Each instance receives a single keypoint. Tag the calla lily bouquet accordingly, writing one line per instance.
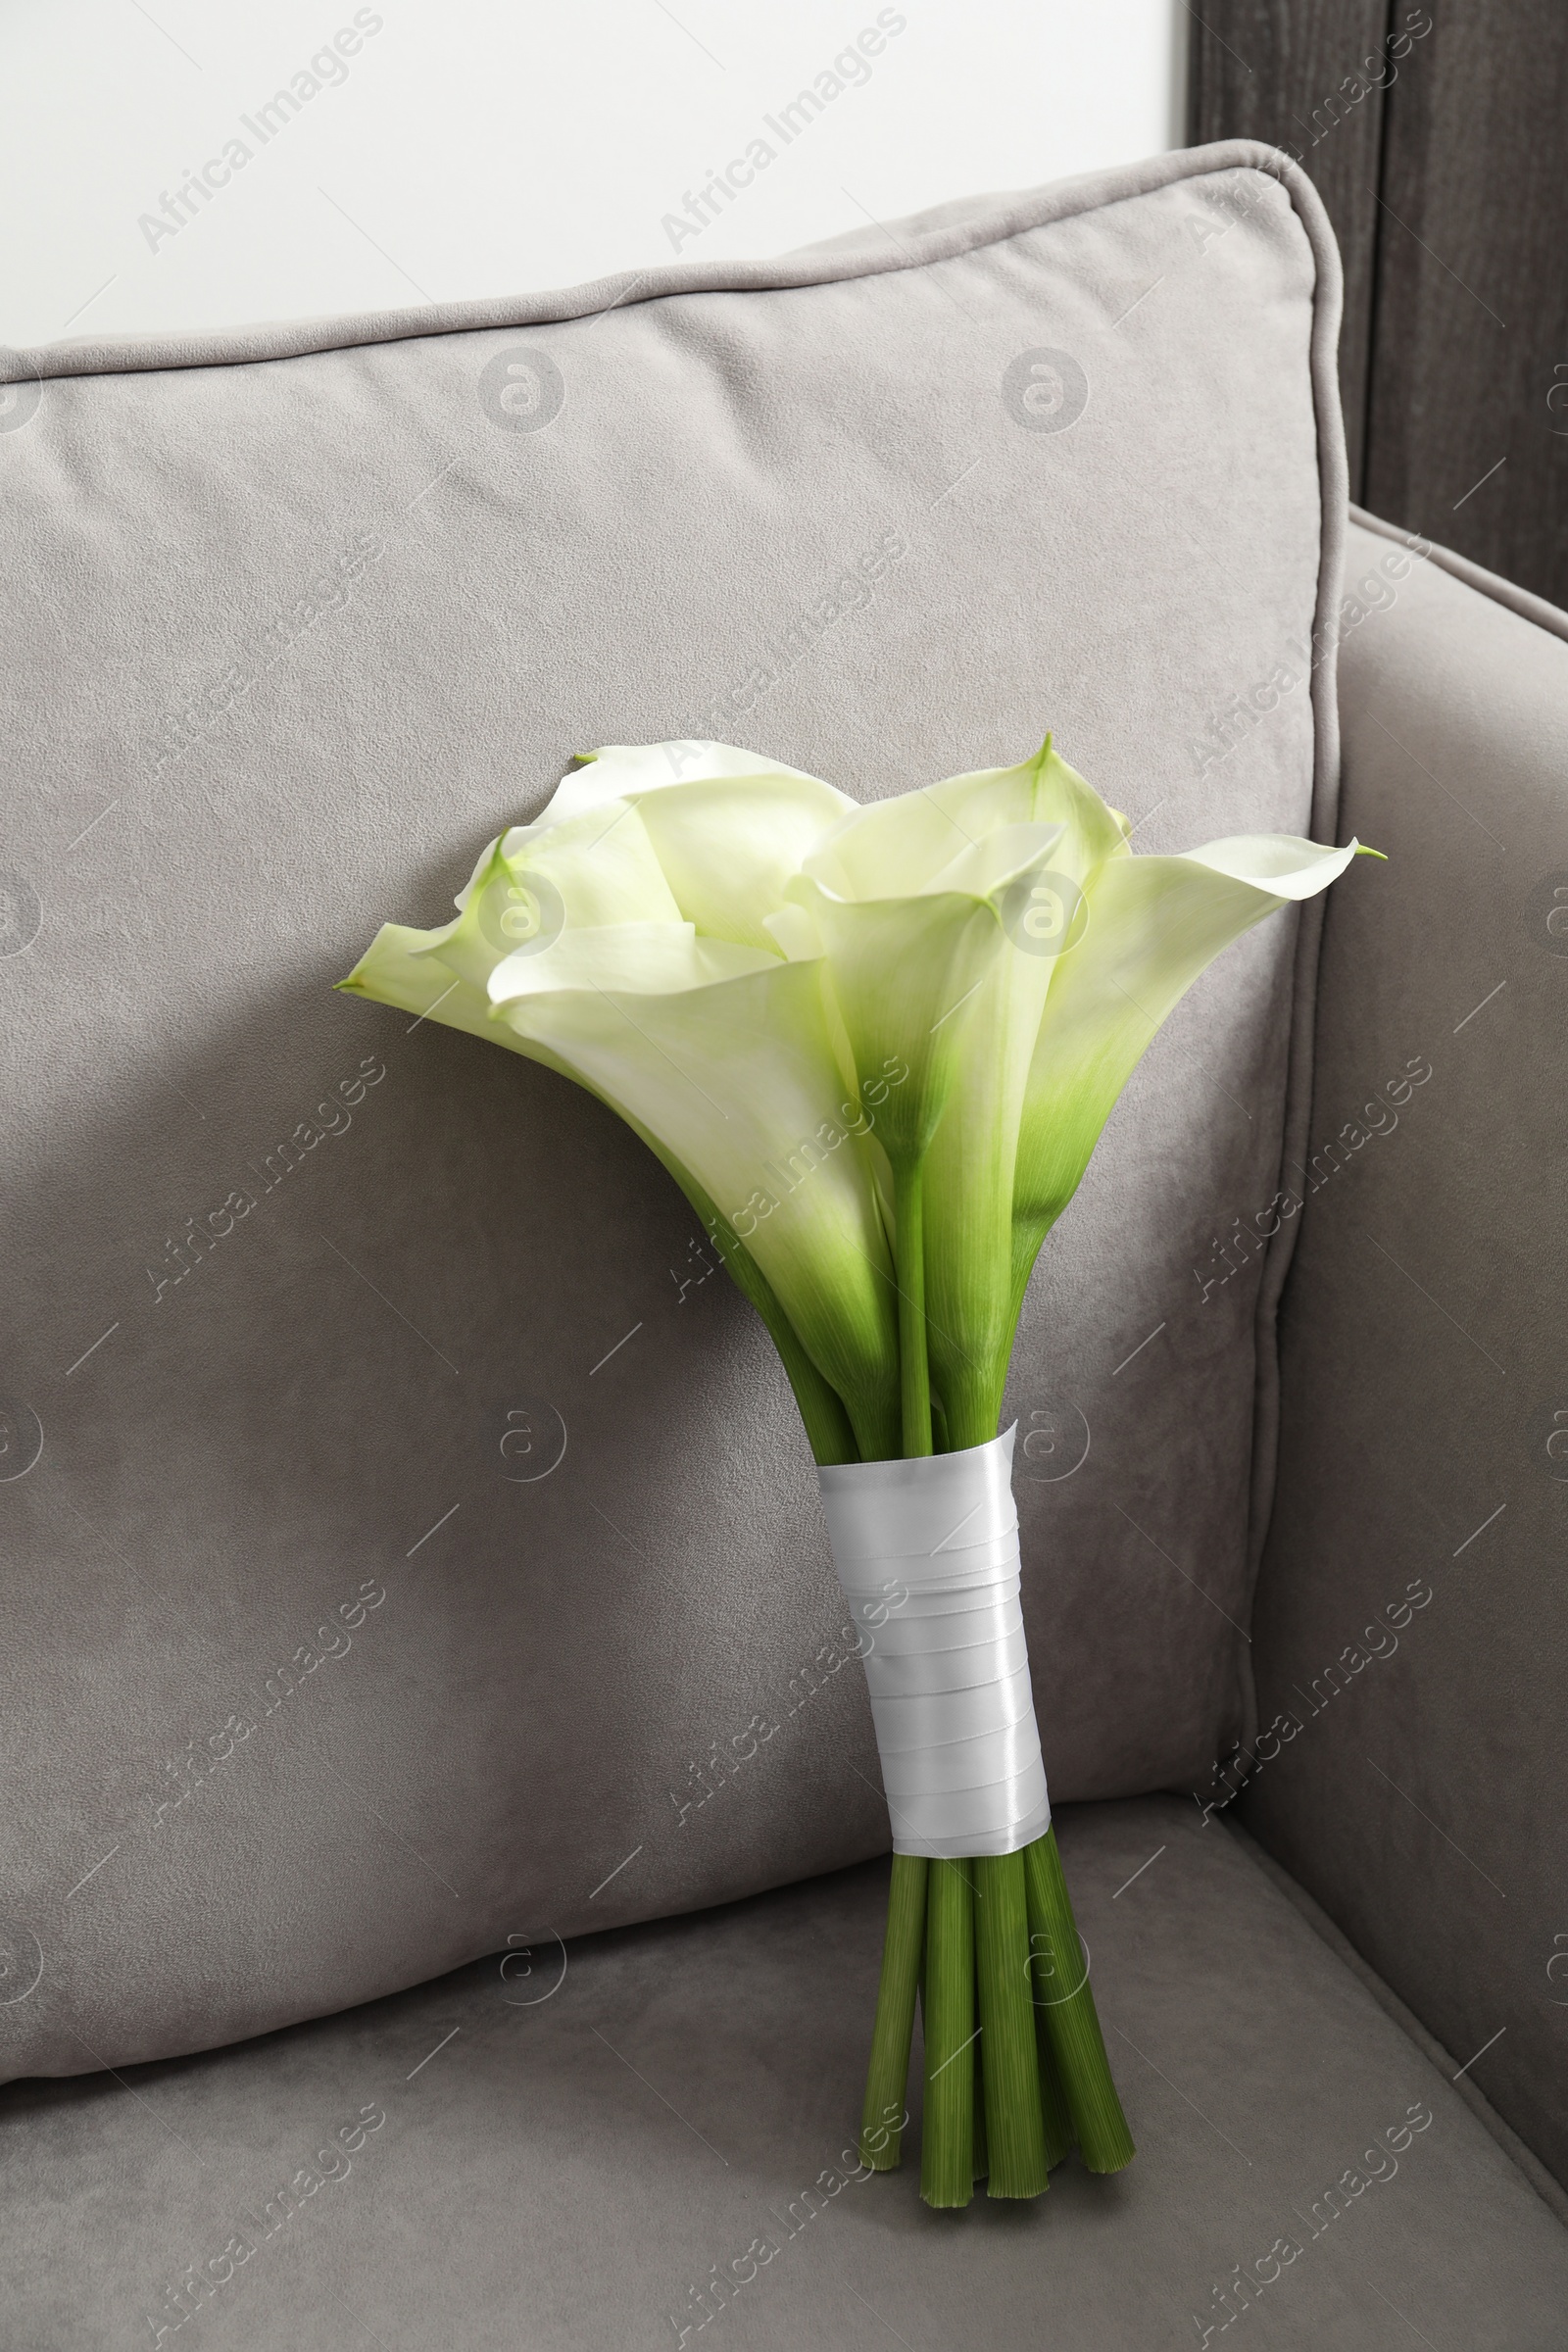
(876, 1046)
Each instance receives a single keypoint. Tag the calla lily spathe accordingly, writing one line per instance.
(576, 945)
(1158, 923)
(875, 1044)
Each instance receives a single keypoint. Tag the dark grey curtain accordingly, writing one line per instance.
(1438, 137)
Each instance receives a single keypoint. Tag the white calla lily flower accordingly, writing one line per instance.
(722, 1052)
(904, 967)
(875, 1044)
(625, 771)
(727, 827)
(970, 1172)
(910, 908)
(1157, 923)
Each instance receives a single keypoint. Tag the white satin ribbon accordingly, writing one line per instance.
(927, 1553)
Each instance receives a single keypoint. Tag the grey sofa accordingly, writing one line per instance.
(1297, 1653)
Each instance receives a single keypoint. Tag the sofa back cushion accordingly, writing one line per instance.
(412, 1544)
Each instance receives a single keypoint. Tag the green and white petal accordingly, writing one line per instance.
(597, 869)
(1283, 863)
(1156, 923)
(969, 1197)
(398, 969)
(402, 968)
(602, 867)
(822, 1412)
(727, 827)
(973, 1155)
(626, 771)
(649, 960)
(898, 847)
(730, 847)
(1041, 791)
(722, 1053)
(906, 968)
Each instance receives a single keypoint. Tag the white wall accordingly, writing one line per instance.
(470, 147)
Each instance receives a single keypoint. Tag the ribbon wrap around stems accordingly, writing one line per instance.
(927, 1553)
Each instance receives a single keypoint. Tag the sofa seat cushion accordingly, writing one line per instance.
(559, 2148)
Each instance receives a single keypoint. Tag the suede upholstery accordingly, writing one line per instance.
(311, 1697)
(1411, 1638)
(572, 2142)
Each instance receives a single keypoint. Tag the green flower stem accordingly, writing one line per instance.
(908, 1211)
(828, 1431)
(888, 2076)
(946, 2145)
(981, 2160)
(1009, 2059)
(1069, 2018)
(1055, 2111)
(973, 1407)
